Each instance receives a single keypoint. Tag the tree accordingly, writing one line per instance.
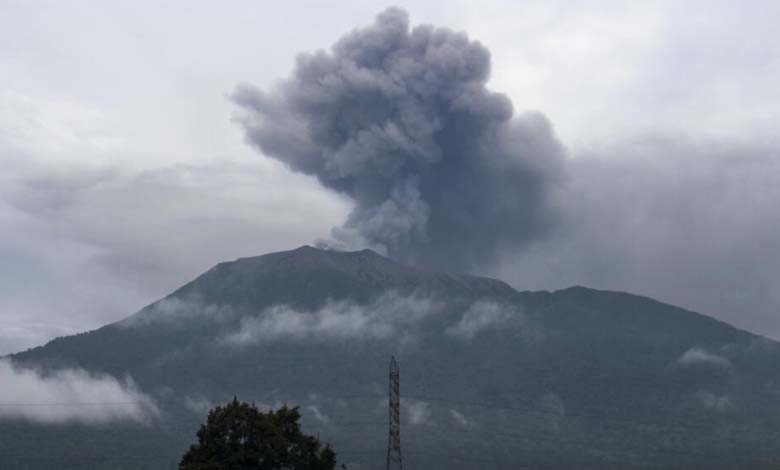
(240, 437)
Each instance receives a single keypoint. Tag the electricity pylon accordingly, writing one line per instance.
(394, 461)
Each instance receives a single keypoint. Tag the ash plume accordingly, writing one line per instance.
(400, 120)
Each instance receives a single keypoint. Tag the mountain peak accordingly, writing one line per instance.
(308, 276)
(315, 254)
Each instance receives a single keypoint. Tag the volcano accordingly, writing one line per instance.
(490, 376)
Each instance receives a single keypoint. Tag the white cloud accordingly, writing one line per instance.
(176, 309)
(390, 315)
(483, 315)
(198, 404)
(418, 412)
(318, 415)
(640, 65)
(70, 395)
(699, 356)
(58, 129)
(720, 403)
(552, 411)
(460, 418)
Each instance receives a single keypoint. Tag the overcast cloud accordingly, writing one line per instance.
(691, 222)
(70, 395)
(124, 176)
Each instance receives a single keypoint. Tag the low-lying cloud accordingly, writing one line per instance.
(179, 310)
(198, 403)
(712, 401)
(484, 315)
(418, 412)
(70, 395)
(699, 356)
(318, 414)
(552, 411)
(460, 418)
(389, 315)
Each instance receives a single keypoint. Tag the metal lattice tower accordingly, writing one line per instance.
(394, 461)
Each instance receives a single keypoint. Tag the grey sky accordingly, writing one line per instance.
(124, 176)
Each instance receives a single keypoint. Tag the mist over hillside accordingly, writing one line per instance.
(489, 375)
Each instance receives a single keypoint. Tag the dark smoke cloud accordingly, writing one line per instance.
(401, 121)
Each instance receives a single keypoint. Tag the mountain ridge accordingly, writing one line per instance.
(579, 291)
(606, 378)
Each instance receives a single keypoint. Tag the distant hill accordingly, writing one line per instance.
(490, 376)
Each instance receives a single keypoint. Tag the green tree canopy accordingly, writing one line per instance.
(238, 436)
